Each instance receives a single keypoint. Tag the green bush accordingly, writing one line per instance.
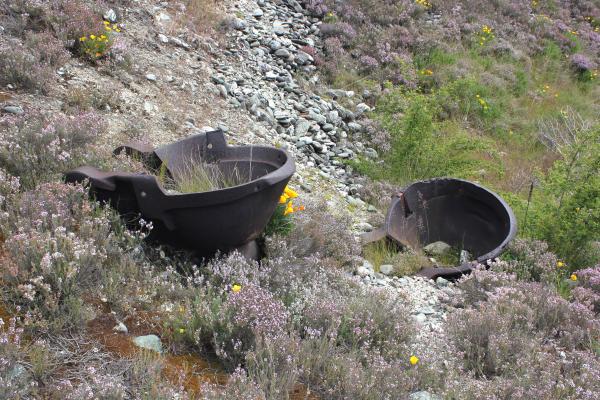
(565, 209)
(422, 147)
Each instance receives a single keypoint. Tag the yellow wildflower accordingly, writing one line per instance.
(283, 198)
(573, 277)
(93, 37)
(560, 264)
(289, 208)
(236, 288)
(290, 193)
(181, 330)
(83, 39)
(108, 28)
(106, 22)
(414, 360)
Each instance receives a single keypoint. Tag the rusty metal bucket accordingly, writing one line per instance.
(458, 212)
(206, 222)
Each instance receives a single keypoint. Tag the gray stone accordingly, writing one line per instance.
(257, 13)
(426, 310)
(150, 342)
(163, 38)
(274, 45)
(423, 395)
(302, 127)
(120, 327)
(371, 153)
(367, 264)
(110, 16)
(441, 282)
(303, 58)
(151, 77)
(282, 53)
(278, 28)
(148, 107)
(13, 109)
(438, 248)
(465, 256)
(386, 269)
(239, 24)
(318, 118)
(420, 318)
(18, 373)
(364, 226)
(355, 126)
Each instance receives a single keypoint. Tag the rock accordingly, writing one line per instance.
(148, 107)
(441, 282)
(465, 256)
(17, 373)
(278, 28)
(274, 45)
(303, 58)
(364, 227)
(120, 327)
(386, 269)
(423, 395)
(163, 17)
(239, 24)
(362, 108)
(257, 13)
(13, 109)
(150, 342)
(151, 77)
(355, 126)
(420, 318)
(302, 127)
(110, 16)
(163, 38)
(318, 118)
(282, 53)
(371, 153)
(438, 248)
(427, 310)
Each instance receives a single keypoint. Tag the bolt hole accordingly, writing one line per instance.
(143, 194)
(209, 146)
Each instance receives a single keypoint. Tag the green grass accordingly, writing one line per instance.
(405, 261)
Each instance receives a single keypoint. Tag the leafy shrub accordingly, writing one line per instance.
(38, 147)
(420, 147)
(565, 211)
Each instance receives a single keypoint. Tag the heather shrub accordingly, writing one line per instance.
(38, 147)
(531, 260)
(273, 365)
(238, 387)
(364, 323)
(587, 291)
(247, 314)
(27, 69)
(515, 321)
(58, 245)
(13, 376)
(318, 230)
